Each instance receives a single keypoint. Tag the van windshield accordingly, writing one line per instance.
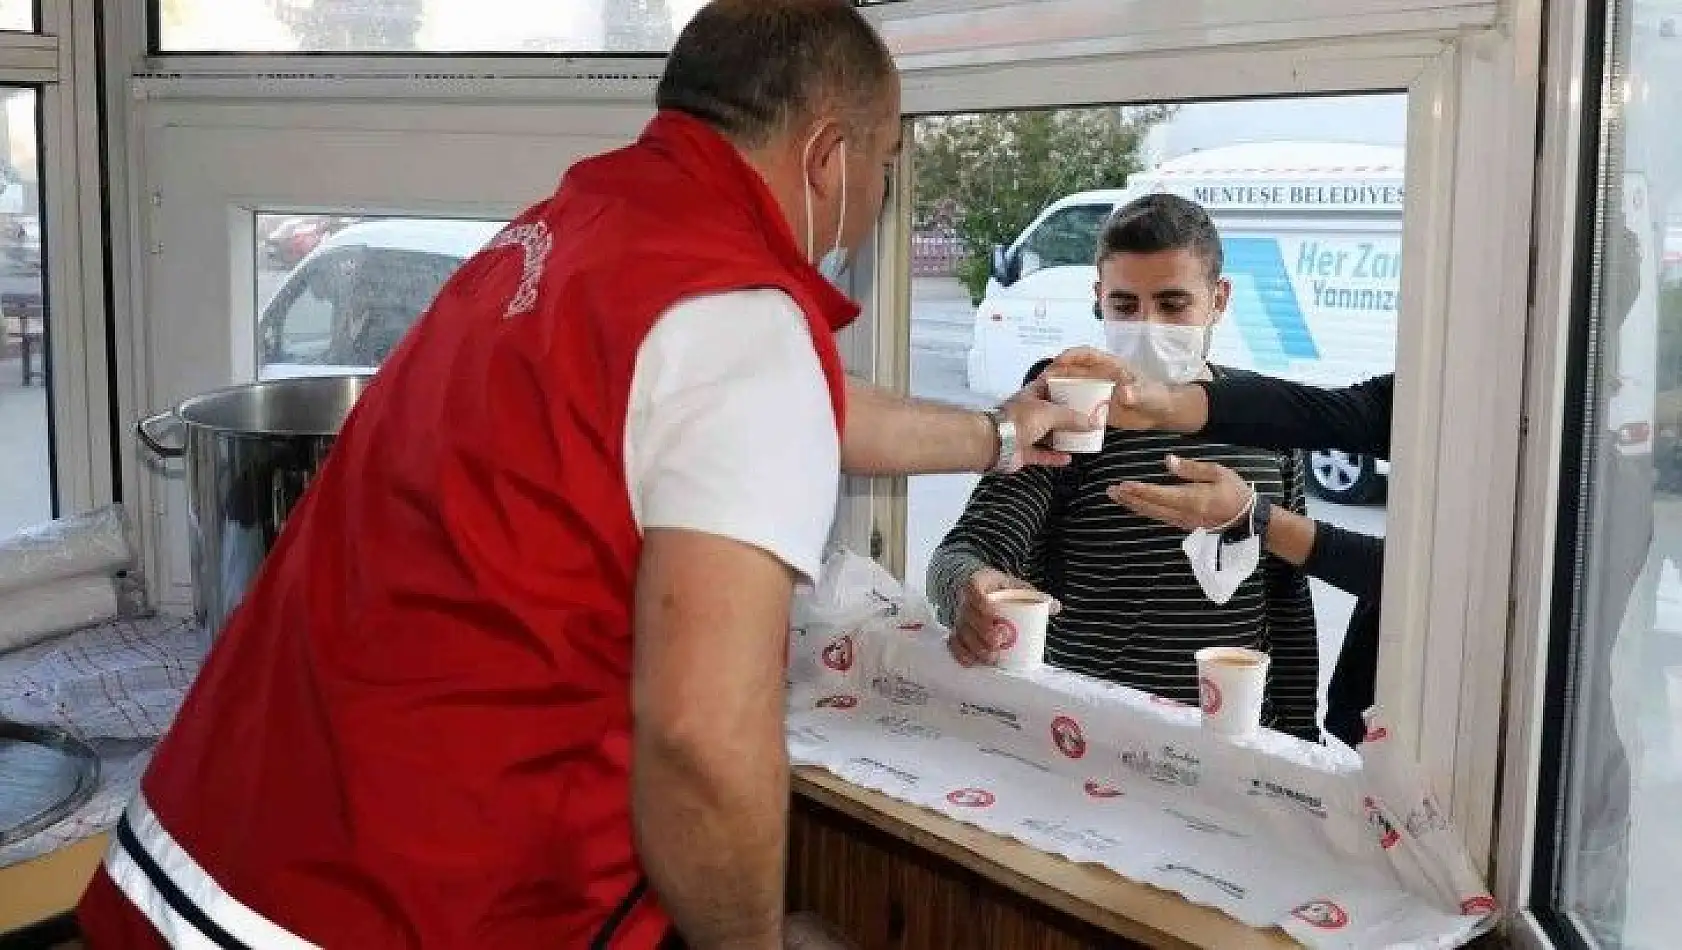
(1068, 237)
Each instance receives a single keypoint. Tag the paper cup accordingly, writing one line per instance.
(1230, 684)
(1090, 398)
(1022, 618)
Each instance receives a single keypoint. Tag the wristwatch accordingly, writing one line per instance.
(1009, 457)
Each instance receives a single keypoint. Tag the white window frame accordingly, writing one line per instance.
(1470, 71)
(1559, 201)
(61, 63)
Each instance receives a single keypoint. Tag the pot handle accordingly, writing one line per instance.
(144, 428)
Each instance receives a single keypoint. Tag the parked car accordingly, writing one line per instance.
(351, 300)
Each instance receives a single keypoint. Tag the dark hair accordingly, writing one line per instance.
(1162, 222)
(751, 68)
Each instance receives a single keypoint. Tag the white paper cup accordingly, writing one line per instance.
(1022, 619)
(1230, 684)
(1090, 398)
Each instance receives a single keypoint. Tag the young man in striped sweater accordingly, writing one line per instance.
(1132, 610)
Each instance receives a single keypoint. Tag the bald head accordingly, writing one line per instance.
(757, 69)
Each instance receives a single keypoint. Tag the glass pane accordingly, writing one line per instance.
(1622, 835)
(1311, 234)
(26, 483)
(336, 293)
(18, 15)
(421, 26)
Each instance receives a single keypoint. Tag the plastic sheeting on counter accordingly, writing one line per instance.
(1272, 830)
(65, 575)
(95, 543)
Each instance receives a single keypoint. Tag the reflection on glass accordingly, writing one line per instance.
(1622, 834)
(26, 494)
(337, 293)
(17, 15)
(421, 26)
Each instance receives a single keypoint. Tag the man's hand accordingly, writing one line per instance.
(975, 633)
(1036, 417)
(1213, 496)
(1138, 404)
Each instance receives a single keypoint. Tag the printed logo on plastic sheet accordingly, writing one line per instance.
(1208, 695)
(838, 701)
(838, 656)
(1006, 631)
(1066, 735)
(971, 798)
(1388, 836)
(1322, 914)
(1097, 789)
(1003, 717)
(1233, 889)
(912, 627)
(1165, 701)
(1099, 415)
(1480, 906)
(1376, 734)
(901, 691)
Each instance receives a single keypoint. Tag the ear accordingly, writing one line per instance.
(822, 155)
(1223, 296)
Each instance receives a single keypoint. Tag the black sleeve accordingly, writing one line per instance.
(1292, 632)
(1347, 560)
(1250, 409)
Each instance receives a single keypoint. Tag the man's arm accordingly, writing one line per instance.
(890, 434)
(1211, 495)
(731, 467)
(993, 546)
(1247, 409)
(1276, 413)
(709, 772)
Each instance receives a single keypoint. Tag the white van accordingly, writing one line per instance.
(1312, 233)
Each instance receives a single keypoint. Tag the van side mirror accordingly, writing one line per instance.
(1004, 265)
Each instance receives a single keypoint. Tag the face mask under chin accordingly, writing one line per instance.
(1166, 353)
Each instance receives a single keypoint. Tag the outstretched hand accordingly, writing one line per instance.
(1209, 496)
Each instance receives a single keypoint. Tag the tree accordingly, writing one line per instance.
(636, 26)
(987, 175)
(352, 26)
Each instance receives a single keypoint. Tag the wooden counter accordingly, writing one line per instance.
(49, 885)
(893, 876)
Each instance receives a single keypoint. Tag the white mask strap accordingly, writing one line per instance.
(841, 216)
(806, 183)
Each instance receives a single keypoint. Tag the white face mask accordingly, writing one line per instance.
(835, 261)
(1220, 566)
(1164, 352)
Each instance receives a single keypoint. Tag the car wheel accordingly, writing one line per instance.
(1344, 477)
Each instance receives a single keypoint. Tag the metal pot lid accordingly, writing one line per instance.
(45, 776)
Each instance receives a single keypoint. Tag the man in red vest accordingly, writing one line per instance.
(513, 675)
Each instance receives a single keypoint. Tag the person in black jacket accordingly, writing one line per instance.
(1268, 413)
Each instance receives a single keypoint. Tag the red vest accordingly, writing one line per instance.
(416, 731)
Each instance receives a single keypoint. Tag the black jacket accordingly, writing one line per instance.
(1276, 414)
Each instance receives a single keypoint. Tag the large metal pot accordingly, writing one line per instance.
(250, 451)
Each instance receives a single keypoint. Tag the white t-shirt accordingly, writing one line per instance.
(730, 429)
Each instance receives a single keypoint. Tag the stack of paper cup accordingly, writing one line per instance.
(1022, 617)
(1230, 684)
(1090, 398)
